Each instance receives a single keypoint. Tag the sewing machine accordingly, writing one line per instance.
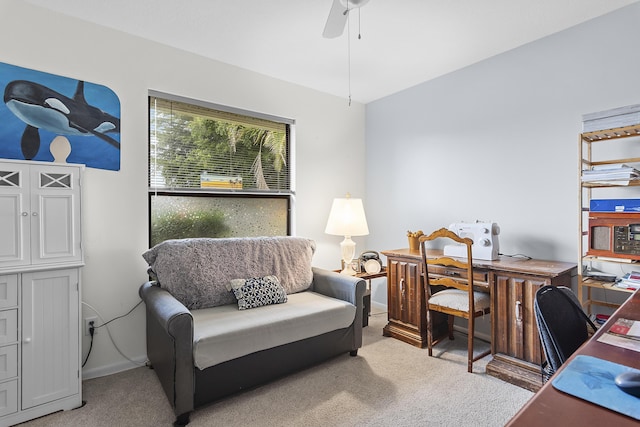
(484, 236)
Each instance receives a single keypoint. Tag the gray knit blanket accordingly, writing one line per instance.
(197, 271)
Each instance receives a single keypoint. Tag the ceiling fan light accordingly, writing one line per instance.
(353, 3)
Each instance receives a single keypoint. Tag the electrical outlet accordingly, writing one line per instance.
(87, 325)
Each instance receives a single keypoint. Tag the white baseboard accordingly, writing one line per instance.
(483, 337)
(102, 371)
(378, 306)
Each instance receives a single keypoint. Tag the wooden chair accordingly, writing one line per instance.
(451, 291)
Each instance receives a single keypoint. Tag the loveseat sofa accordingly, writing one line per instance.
(226, 315)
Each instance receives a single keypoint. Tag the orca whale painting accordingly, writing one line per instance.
(39, 108)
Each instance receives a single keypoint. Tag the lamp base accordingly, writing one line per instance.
(348, 249)
(348, 270)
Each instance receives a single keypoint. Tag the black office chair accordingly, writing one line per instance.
(562, 325)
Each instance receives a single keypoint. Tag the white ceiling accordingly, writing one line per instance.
(404, 42)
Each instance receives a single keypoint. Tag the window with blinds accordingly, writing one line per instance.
(194, 147)
(217, 172)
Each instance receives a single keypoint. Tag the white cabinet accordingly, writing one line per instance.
(40, 215)
(40, 260)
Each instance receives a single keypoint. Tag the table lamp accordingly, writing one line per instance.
(347, 219)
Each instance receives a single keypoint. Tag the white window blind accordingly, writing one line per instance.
(196, 148)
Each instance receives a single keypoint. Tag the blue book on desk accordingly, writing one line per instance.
(593, 380)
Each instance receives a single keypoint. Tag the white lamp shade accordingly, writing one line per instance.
(347, 218)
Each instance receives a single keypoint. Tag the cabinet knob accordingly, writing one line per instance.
(27, 340)
(518, 311)
(25, 213)
(34, 213)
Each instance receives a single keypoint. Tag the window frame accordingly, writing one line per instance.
(288, 195)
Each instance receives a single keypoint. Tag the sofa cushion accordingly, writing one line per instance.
(225, 333)
(257, 291)
(196, 271)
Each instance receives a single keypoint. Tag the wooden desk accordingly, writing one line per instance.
(550, 406)
(512, 282)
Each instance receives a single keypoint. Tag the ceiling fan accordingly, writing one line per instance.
(338, 16)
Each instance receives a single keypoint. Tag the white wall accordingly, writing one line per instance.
(329, 151)
(498, 140)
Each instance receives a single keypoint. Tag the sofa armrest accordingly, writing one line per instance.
(340, 286)
(346, 288)
(170, 345)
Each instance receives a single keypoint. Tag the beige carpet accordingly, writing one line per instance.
(389, 383)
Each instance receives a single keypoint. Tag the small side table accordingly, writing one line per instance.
(366, 311)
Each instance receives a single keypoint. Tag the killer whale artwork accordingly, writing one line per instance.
(36, 110)
(42, 108)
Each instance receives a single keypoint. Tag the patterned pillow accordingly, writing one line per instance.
(257, 291)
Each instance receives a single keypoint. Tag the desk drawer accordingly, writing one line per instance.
(480, 277)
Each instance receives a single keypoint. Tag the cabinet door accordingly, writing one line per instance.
(14, 215)
(405, 305)
(50, 336)
(405, 292)
(55, 214)
(514, 329)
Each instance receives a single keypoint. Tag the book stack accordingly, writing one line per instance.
(599, 319)
(629, 281)
(623, 333)
(626, 328)
(609, 119)
(611, 174)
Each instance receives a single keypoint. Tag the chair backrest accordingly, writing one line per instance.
(562, 324)
(462, 282)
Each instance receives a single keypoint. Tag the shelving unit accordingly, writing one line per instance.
(623, 147)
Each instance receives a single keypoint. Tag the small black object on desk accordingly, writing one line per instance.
(629, 382)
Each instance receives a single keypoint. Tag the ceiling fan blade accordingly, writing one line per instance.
(336, 21)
